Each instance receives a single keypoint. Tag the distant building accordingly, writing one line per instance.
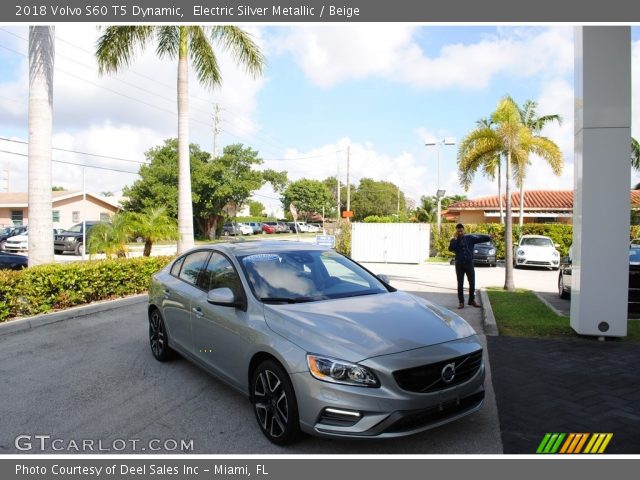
(540, 206)
(68, 208)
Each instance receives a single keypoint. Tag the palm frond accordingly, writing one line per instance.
(119, 44)
(168, 38)
(635, 154)
(203, 57)
(240, 44)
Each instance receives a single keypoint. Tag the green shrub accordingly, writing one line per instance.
(343, 238)
(46, 288)
(378, 219)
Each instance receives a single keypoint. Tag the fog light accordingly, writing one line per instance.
(339, 417)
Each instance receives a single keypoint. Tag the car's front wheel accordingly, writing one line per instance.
(79, 251)
(274, 403)
(158, 337)
(562, 292)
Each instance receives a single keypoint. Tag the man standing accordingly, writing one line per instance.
(462, 246)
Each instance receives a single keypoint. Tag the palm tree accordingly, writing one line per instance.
(530, 118)
(509, 137)
(153, 225)
(111, 237)
(118, 45)
(635, 154)
(41, 59)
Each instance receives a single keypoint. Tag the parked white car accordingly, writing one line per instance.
(17, 243)
(245, 229)
(536, 251)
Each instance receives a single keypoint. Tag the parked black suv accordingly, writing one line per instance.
(71, 240)
(8, 232)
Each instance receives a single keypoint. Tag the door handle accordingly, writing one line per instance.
(197, 311)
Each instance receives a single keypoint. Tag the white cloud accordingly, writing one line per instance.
(332, 54)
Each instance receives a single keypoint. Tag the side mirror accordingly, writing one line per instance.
(385, 279)
(222, 296)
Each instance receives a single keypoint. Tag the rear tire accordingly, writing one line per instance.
(158, 338)
(274, 403)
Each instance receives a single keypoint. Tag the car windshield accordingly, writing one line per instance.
(537, 242)
(485, 244)
(76, 228)
(5, 231)
(634, 255)
(306, 276)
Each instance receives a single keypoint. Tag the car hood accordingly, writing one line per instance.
(361, 327)
(18, 238)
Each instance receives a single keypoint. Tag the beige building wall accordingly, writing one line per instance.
(66, 212)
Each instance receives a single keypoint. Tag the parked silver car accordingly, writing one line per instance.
(319, 344)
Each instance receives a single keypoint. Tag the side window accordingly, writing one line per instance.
(192, 265)
(175, 269)
(219, 274)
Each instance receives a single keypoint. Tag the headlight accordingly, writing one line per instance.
(520, 253)
(492, 251)
(556, 254)
(338, 371)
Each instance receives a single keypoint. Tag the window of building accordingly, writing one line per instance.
(75, 217)
(56, 216)
(104, 217)
(16, 217)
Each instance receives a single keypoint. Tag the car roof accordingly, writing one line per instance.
(241, 248)
(535, 236)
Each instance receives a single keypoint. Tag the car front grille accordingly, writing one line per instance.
(534, 262)
(429, 378)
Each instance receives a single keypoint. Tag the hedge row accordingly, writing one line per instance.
(52, 287)
(559, 233)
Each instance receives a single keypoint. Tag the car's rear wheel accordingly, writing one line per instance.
(562, 292)
(274, 403)
(158, 338)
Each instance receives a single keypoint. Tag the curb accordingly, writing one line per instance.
(488, 319)
(548, 304)
(23, 324)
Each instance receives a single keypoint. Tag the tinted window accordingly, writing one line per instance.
(192, 265)
(175, 270)
(219, 273)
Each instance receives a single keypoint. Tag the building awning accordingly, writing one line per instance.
(531, 214)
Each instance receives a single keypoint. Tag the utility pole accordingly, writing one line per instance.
(348, 182)
(216, 129)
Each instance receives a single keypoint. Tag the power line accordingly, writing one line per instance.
(80, 153)
(72, 163)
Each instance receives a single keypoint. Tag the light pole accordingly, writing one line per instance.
(439, 193)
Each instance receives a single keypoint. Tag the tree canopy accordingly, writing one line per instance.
(376, 198)
(229, 179)
(308, 196)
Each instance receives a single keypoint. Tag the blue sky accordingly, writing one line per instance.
(382, 89)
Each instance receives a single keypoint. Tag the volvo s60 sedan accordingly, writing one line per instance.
(317, 343)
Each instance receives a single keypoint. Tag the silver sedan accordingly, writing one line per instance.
(319, 344)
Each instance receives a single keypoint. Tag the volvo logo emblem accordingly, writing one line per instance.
(448, 372)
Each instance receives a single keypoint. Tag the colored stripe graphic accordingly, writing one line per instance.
(574, 443)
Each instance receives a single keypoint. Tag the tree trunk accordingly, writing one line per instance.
(508, 229)
(185, 206)
(521, 203)
(147, 248)
(500, 191)
(41, 59)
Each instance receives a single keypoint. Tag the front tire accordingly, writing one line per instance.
(274, 403)
(158, 338)
(79, 249)
(562, 293)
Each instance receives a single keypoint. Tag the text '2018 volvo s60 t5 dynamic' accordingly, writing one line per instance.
(319, 344)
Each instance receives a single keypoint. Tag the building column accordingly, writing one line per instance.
(600, 270)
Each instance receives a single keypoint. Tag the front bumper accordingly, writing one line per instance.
(528, 262)
(484, 259)
(388, 411)
(16, 247)
(65, 246)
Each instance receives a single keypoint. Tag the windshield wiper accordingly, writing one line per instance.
(291, 299)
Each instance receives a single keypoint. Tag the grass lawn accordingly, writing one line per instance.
(438, 260)
(522, 314)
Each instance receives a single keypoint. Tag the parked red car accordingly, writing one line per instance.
(268, 228)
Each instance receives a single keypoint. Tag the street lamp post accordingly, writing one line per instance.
(440, 192)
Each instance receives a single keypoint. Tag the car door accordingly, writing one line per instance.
(179, 290)
(222, 333)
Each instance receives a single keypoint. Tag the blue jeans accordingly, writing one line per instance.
(463, 269)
